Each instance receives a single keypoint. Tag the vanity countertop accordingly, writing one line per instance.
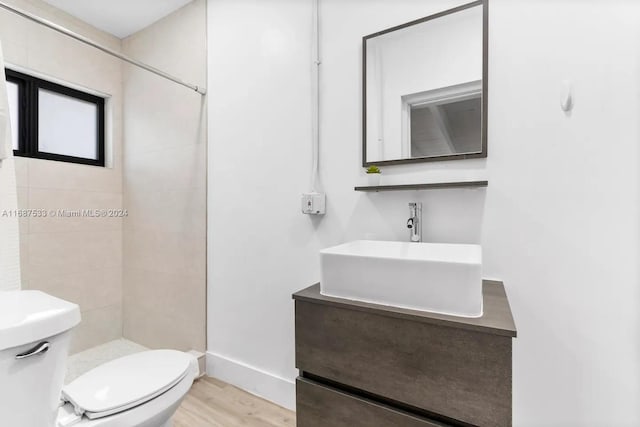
(496, 319)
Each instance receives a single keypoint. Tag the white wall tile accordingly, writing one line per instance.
(69, 202)
(164, 185)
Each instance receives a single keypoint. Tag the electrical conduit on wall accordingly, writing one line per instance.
(9, 231)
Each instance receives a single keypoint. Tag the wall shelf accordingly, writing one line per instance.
(431, 186)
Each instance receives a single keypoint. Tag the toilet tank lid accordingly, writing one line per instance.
(128, 382)
(29, 316)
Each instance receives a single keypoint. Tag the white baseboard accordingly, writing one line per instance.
(263, 384)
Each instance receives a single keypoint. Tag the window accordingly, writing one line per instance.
(54, 122)
(443, 122)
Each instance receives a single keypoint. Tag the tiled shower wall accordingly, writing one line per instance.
(9, 225)
(165, 185)
(76, 259)
(158, 252)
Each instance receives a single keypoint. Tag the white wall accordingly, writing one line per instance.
(558, 223)
(562, 211)
(260, 247)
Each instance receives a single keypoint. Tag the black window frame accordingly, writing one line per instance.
(28, 92)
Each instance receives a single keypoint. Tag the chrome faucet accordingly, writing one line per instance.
(414, 223)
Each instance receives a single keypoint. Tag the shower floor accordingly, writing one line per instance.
(86, 360)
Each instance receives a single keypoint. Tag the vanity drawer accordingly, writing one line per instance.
(460, 374)
(319, 405)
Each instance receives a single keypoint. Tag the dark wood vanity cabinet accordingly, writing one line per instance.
(319, 405)
(370, 365)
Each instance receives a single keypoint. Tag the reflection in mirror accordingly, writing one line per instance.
(442, 122)
(424, 89)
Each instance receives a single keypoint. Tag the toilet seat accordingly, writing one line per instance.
(125, 383)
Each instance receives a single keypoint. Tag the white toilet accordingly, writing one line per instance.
(140, 390)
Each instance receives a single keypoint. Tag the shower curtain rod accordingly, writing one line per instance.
(201, 90)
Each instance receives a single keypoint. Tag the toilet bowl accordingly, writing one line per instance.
(139, 390)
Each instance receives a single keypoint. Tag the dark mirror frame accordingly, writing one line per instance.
(485, 87)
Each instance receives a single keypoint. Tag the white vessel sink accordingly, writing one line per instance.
(435, 277)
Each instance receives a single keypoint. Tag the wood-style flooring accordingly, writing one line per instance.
(213, 403)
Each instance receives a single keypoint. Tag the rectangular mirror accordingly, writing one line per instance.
(425, 87)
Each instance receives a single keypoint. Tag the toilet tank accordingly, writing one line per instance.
(35, 331)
